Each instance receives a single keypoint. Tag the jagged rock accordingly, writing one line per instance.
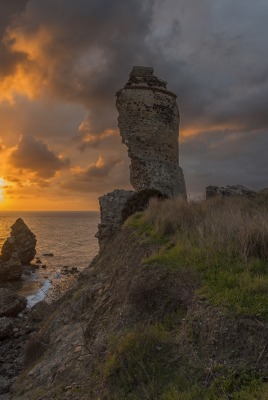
(23, 240)
(6, 326)
(11, 303)
(149, 125)
(11, 270)
(229, 191)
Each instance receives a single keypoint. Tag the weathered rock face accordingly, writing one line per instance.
(6, 325)
(11, 304)
(22, 240)
(149, 124)
(229, 191)
(11, 270)
(111, 206)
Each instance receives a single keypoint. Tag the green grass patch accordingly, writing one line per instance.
(145, 232)
(145, 363)
(241, 287)
(227, 280)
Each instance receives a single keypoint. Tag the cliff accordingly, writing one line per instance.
(144, 323)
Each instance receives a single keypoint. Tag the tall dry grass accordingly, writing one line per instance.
(233, 226)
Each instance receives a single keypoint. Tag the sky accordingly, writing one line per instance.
(62, 61)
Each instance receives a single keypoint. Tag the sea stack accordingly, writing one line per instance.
(22, 240)
(149, 125)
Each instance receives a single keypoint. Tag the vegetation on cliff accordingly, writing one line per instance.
(173, 308)
(224, 240)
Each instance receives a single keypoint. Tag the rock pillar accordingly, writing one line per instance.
(149, 125)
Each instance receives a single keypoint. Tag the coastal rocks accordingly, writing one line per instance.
(11, 304)
(25, 241)
(229, 191)
(16, 332)
(11, 269)
(6, 327)
(17, 250)
(149, 125)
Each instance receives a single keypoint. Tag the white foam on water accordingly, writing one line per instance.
(39, 295)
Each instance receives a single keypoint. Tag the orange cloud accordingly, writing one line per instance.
(30, 74)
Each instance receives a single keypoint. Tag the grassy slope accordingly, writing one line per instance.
(226, 243)
(173, 308)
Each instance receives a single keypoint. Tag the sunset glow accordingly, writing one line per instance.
(61, 64)
(2, 184)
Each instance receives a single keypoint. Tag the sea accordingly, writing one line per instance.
(68, 235)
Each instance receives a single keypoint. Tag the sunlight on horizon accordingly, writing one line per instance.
(2, 183)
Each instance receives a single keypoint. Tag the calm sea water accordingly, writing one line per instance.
(68, 235)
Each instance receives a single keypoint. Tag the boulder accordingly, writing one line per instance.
(229, 191)
(6, 327)
(11, 303)
(11, 270)
(22, 240)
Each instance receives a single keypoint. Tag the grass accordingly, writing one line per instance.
(226, 241)
(145, 363)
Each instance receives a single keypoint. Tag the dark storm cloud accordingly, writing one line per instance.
(225, 158)
(94, 43)
(212, 53)
(212, 56)
(34, 156)
(9, 10)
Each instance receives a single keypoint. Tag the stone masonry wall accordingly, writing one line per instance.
(149, 124)
(111, 206)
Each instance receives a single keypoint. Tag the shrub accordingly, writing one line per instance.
(140, 201)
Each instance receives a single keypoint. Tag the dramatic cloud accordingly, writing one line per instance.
(34, 155)
(225, 157)
(62, 62)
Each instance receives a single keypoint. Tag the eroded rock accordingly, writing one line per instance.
(149, 125)
(22, 240)
(11, 269)
(11, 303)
(6, 326)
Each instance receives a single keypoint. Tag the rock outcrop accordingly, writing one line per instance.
(229, 191)
(11, 303)
(149, 126)
(10, 269)
(111, 207)
(6, 326)
(22, 240)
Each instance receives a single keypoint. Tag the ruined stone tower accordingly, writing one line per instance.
(149, 124)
